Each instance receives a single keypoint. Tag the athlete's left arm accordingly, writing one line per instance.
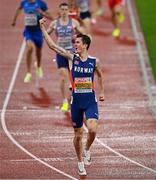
(45, 14)
(77, 27)
(44, 11)
(100, 80)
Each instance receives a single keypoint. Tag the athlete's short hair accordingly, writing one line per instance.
(85, 39)
(63, 4)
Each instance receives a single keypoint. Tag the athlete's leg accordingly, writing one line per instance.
(77, 121)
(86, 21)
(113, 15)
(92, 125)
(38, 41)
(119, 13)
(92, 128)
(87, 25)
(38, 56)
(39, 71)
(29, 50)
(64, 88)
(116, 8)
(78, 143)
(63, 82)
(63, 66)
(79, 149)
(96, 9)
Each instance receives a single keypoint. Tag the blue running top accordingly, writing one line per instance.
(32, 16)
(82, 79)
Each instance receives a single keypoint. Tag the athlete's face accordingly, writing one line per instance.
(79, 46)
(64, 11)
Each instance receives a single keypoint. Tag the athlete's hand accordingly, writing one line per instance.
(42, 21)
(101, 97)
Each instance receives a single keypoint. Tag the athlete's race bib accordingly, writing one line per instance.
(65, 42)
(83, 85)
(30, 20)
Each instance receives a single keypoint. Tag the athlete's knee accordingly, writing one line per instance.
(77, 138)
(92, 129)
(92, 126)
(63, 79)
(29, 48)
(38, 50)
(63, 75)
(78, 135)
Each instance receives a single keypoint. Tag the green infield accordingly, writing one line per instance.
(147, 14)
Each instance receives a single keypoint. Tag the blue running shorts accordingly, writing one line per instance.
(62, 62)
(35, 36)
(77, 113)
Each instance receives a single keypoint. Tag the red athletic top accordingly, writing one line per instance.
(113, 3)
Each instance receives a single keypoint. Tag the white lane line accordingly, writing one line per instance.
(45, 159)
(152, 104)
(6, 101)
(120, 155)
(141, 59)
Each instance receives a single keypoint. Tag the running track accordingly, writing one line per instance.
(36, 138)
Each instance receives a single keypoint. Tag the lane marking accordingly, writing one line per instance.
(121, 155)
(152, 104)
(58, 159)
(4, 109)
(141, 59)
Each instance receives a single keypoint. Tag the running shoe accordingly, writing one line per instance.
(87, 157)
(81, 169)
(28, 78)
(121, 18)
(116, 32)
(39, 72)
(64, 107)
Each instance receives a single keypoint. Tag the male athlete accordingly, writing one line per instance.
(34, 10)
(83, 100)
(64, 28)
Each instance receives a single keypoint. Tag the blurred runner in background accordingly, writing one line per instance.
(34, 10)
(116, 7)
(65, 29)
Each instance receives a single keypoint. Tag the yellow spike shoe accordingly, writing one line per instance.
(116, 32)
(65, 107)
(28, 78)
(39, 72)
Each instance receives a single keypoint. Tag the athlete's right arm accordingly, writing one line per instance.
(18, 11)
(52, 45)
(51, 27)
